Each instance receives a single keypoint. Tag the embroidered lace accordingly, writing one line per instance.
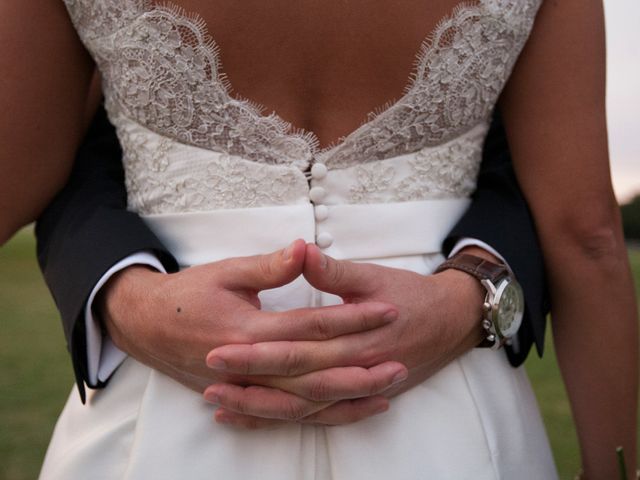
(161, 70)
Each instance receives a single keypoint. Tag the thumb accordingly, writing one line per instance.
(262, 272)
(340, 277)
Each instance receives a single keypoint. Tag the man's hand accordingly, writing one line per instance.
(439, 319)
(170, 322)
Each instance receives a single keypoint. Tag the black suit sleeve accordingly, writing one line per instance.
(86, 230)
(500, 217)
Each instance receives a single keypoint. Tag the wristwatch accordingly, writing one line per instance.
(503, 306)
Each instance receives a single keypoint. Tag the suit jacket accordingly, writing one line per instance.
(86, 229)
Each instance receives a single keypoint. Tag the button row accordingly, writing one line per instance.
(317, 195)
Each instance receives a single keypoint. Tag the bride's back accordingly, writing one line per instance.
(368, 82)
(323, 66)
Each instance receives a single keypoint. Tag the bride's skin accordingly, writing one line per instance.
(554, 113)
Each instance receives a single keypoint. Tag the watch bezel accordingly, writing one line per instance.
(496, 298)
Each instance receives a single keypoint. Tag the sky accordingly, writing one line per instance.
(622, 19)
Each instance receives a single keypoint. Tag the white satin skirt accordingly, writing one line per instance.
(475, 419)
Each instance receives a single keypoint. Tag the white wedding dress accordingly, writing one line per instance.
(215, 178)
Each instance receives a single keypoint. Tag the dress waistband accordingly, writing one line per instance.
(350, 231)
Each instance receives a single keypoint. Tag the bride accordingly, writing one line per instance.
(215, 178)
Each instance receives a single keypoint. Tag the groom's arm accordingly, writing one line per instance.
(500, 217)
(86, 230)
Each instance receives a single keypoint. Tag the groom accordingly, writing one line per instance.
(99, 260)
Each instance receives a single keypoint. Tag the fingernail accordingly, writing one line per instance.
(381, 408)
(288, 253)
(212, 398)
(390, 316)
(217, 363)
(399, 377)
(222, 417)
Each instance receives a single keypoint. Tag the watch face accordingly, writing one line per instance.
(510, 308)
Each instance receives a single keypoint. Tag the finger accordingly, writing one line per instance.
(334, 384)
(320, 323)
(290, 359)
(248, 422)
(349, 411)
(340, 413)
(261, 401)
(293, 358)
(340, 277)
(261, 272)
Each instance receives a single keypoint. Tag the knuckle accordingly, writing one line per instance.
(321, 325)
(319, 390)
(374, 352)
(243, 330)
(265, 264)
(294, 410)
(224, 269)
(239, 337)
(238, 404)
(229, 337)
(368, 356)
(235, 338)
(337, 272)
(364, 319)
(293, 363)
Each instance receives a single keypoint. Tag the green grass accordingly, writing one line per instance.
(553, 401)
(36, 376)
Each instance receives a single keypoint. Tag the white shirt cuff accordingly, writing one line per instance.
(103, 357)
(473, 242)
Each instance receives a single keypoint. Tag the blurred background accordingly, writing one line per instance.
(623, 95)
(35, 370)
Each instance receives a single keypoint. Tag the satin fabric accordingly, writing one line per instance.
(476, 418)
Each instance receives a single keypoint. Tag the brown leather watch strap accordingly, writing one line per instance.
(476, 266)
(482, 270)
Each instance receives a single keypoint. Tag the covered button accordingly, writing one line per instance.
(317, 194)
(321, 212)
(318, 171)
(324, 240)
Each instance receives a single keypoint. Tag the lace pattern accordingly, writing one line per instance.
(161, 70)
(445, 171)
(460, 72)
(164, 176)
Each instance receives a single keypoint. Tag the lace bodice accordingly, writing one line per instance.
(190, 145)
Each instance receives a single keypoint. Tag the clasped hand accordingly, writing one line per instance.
(326, 365)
